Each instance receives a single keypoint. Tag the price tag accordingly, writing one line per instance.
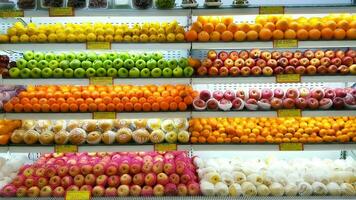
(165, 147)
(11, 13)
(99, 45)
(288, 78)
(289, 113)
(104, 115)
(291, 147)
(65, 148)
(268, 10)
(285, 43)
(101, 81)
(61, 12)
(77, 195)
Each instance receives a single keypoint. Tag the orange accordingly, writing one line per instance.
(302, 34)
(215, 36)
(282, 25)
(314, 34)
(128, 107)
(164, 106)
(278, 35)
(201, 140)
(252, 35)
(203, 19)
(182, 106)
(232, 27)
(227, 20)
(208, 27)
(265, 34)
(83, 107)
(227, 36)
(191, 36)
(339, 34)
(294, 26)
(240, 36)
(270, 26)
(146, 107)
(45, 108)
(343, 24)
(155, 106)
(203, 36)
(8, 107)
(327, 34)
(197, 26)
(92, 107)
(27, 107)
(73, 107)
(290, 34)
(173, 106)
(24, 100)
(119, 107)
(256, 27)
(220, 27)
(351, 34)
(214, 20)
(244, 27)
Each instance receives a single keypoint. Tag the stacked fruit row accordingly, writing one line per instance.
(267, 99)
(92, 98)
(273, 130)
(276, 177)
(273, 27)
(109, 32)
(80, 65)
(7, 92)
(107, 174)
(256, 62)
(78, 132)
(6, 129)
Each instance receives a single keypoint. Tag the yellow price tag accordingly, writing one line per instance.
(288, 78)
(289, 113)
(291, 147)
(65, 148)
(104, 115)
(165, 147)
(77, 195)
(11, 13)
(61, 12)
(285, 43)
(268, 10)
(101, 81)
(99, 45)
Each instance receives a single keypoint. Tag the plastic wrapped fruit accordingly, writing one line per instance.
(105, 125)
(140, 123)
(165, 4)
(52, 3)
(154, 124)
(31, 137)
(181, 124)
(17, 136)
(76, 3)
(98, 3)
(59, 125)
(72, 124)
(123, 135)
(167, 125)
(141, 136)
(26, 4)
(121, 123)
(94, 137)
(89, 125)
(142, 4)
(157, 136)
(183, 136)
(28, 124)
(43, 125)
(61, 137)
(77, 136)
(108, 137)
(46, 137)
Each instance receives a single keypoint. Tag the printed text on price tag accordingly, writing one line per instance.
(288, 78)
(103, 81)
(65, 148)
(11, 13)
(165, 147)
(289, 113)
(104, 115)
(77, 195)
(285, 43)
(268, 10)
(291, 147)
(61, 12)
(99, 45)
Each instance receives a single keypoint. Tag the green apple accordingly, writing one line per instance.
(47, 72)
(28, 55)
(91, 56)
(134, 73)
(68, 73)
(60, 57)
(58, 73)
(97, 64)
(172, 63)
(101, 72)
(25, 73)
(129, 64)
(102, 57)
(183, 62)
(151, 64)
(42, 64)
(112, 72)
(140, 64)
(21, 63)
(123, 73)
(86, 64)
(135, 57)
(118, 63)
(38, 56)
(64, 64)
(14, 72)
(79, 73)
(188, 71)
(81, 56)
(178, 72)
(112, 56)
(156, 72)
(53, 64)
(90, 72)
(124, 56)
(167, 72)
(31, 64)
(70, 56)
(74, 64)
(162, 63)
(146, 56)
(107, 64)
(36, 73)
(145, 73)
(50, 56)
(157, 56)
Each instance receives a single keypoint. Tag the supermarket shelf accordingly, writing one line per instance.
(271, 79)
(270, 147)
(157, 81)
(115, 12)
(82, 46)
(4, 149)
(147, 115)
(31, 149)
(305, 113)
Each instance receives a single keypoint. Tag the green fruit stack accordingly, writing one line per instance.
(91, 64)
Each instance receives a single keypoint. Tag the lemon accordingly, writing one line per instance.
(99, 31)
(91, 37)
(24, 38)
(161, 30)
(161, 37)
(153, 31)
(145, 31)
(52, 37)
(14, 39)
(127, 38)
(135, 38)
(82, 38)
(180, 37)
(31, 31)
(33, 38)
(12, 31)
(19, 25)
(128, 32)
(42, 37)
(153, 38)
(100, 38)
(21, 30)
(109, 38)
(71, 38)
(136, 31)
(119, 32)
(4, 38)
(144, 38)
(118, 38)
(109, 31)
(89, 30)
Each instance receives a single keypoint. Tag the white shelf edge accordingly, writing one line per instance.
(147, 115)
(116, 148)
(204, 114)
(157, 81)
(231, 45)
(269, 147)
(51, 81)
(37, 116)
(31, 149)
(327, 44)
(151, 46)
(4, 149)
(328, 113)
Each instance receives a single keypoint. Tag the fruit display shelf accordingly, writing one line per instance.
(206, 198)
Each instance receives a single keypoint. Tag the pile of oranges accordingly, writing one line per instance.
(118, 98)
(6, 129)
(273, 27)
(273, 130)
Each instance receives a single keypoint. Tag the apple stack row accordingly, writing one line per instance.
(267, 63)
(276, 177)
(107, 174)
(86, 65)
(268, 99)
(78, 132)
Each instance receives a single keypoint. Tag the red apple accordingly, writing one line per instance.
(267, 71)
(313, 103)
(294, 62)
(287, 54)
(272, 63)
(300, 70)
(311, 70)
(218, 95)
(213, 71)
(276, 103)
(332, 69)
(202, 71)
(278, 70)
(292, 93)
(298, 54)
(229, 63)
(241, 94)
(325, 103)
(304, 61)
(267, 93)
(251, 104)
(233, 55)
(244, 54)
(347, 60)
(245, 71)
(288, 103)
(340, 54)
(317, 93)
(338, 103)
(205, 95)
(264, 104)
(223, 55)
(278, 93)
(256, 70)
(325, 61)
(223, 71)
(255, 53)
(229, 95)
(343, 69)
(309, 54)
(254, 94)
(322, 69)
(212, 55)
(212, 104)
(282, 62)
(351, 53)
(329, 93)
(261, 63)
(330, 54)
(266, 55)
(276, 55)
(207, 63)
(304, 92)
(234, 71)
(319, 54)
(250, 62)
(315, 62)
(301, 103)
(218, 63)
(340, 92)
(336, 61)
(289, 70)
(239, 63)
(237, 104)
(199, 104)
